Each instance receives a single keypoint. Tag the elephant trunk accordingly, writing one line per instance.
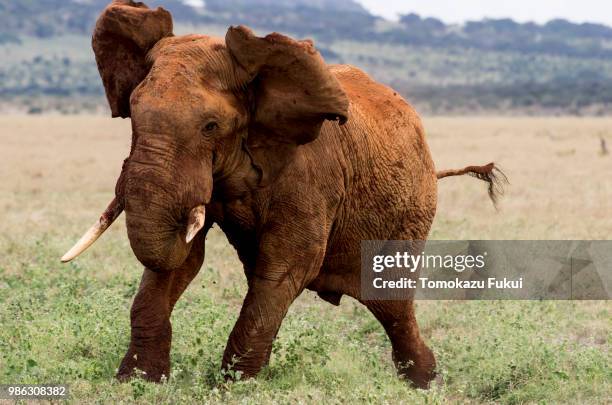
(163, 188)
(164, 202)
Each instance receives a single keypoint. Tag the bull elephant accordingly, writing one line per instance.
(296, 161)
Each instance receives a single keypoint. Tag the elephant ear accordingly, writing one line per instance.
(293, 89)
(124, 34)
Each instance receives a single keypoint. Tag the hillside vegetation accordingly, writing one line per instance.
(477, 67)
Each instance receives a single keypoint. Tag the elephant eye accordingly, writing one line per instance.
(211, 126)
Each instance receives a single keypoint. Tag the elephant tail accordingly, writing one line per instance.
(489, 173)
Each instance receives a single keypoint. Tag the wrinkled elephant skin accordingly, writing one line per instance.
(295, 160)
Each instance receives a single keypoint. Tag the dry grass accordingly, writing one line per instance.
(561, 186)
(560, 183)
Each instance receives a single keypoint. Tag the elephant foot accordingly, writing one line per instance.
(149, 369)
(245, 364)
(420, 370)
(243, 369)
(125, 373)
(148, 355)
(419, 378)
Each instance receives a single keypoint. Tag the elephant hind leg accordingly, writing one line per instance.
(412, 358)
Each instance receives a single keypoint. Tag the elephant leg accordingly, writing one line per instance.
(273, 286)
(250, 343)
(151, 331)
(412, 358)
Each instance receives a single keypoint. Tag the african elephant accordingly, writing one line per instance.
(296, 161)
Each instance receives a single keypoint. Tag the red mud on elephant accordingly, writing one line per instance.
(297, 161)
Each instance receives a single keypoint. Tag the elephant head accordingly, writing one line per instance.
(193, 102)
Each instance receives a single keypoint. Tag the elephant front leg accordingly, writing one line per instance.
(151, 331)
(285, 265)
(250, 343)
(291, 248)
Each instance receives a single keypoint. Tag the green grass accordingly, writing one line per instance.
(69, 324)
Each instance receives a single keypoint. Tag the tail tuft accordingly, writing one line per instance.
(489, 173)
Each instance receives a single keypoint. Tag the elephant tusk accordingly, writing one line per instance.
(109, 215)
(196, 222)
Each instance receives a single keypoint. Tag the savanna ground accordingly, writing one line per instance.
(70, 323)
